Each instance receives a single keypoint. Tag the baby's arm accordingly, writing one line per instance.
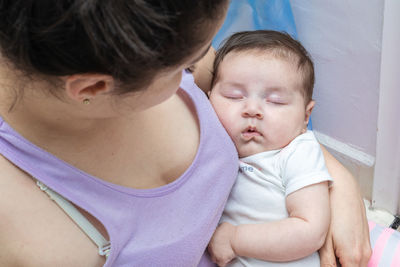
(297, 236)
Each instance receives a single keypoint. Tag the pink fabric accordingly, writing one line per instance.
(371, 225)
(379, 247)
(396, 258)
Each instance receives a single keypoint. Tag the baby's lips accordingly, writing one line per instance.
(250, 129)
(250, 132)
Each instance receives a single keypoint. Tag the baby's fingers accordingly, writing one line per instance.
(223, 261)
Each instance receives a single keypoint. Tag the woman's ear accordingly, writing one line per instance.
(80, 87)
(309, 109)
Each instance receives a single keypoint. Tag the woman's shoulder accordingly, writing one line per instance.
(12, 182)
(33, 230)
(203, 71)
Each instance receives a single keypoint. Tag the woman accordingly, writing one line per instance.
(93, 106)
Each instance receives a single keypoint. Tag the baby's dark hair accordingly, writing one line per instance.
(131, 40)
(279, 44)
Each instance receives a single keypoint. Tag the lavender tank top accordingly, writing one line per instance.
(165, 226)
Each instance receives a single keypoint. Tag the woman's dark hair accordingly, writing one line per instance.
(276, 43)
(129, 39)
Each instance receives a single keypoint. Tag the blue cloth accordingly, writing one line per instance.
(244, 15)
(257, 14)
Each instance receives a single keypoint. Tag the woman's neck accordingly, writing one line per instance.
(53, 122)
(110, 148)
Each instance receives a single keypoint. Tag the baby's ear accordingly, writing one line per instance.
(309, 109)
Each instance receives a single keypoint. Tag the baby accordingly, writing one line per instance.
(278, 211)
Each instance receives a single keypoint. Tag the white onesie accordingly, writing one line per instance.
(263, 183)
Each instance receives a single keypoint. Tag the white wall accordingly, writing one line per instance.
(386, 193)
(344, 39)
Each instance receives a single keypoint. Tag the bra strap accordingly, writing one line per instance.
(87, 227)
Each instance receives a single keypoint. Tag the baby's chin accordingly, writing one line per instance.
(252, 149)
(249, 150)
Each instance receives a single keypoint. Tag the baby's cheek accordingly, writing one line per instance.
(230, 125)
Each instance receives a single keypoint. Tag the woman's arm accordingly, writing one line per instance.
(348, 237)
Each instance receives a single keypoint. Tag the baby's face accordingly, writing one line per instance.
(259, 100)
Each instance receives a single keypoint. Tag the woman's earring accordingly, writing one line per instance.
(86, 101)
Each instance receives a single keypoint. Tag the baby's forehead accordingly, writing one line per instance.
(267, 53)
(260, 59)
(270, 54)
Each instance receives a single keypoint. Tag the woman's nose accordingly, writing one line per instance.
(253, 109)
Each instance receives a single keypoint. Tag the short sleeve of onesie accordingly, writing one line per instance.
(302, 163)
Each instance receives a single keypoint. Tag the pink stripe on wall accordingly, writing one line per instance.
(379, 247)
(396, 257)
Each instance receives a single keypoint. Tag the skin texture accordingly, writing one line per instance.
(348, 236)
(263, 109)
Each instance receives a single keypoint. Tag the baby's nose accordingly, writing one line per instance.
(253, 109)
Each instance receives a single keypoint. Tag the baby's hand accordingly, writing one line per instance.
(220, 246)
